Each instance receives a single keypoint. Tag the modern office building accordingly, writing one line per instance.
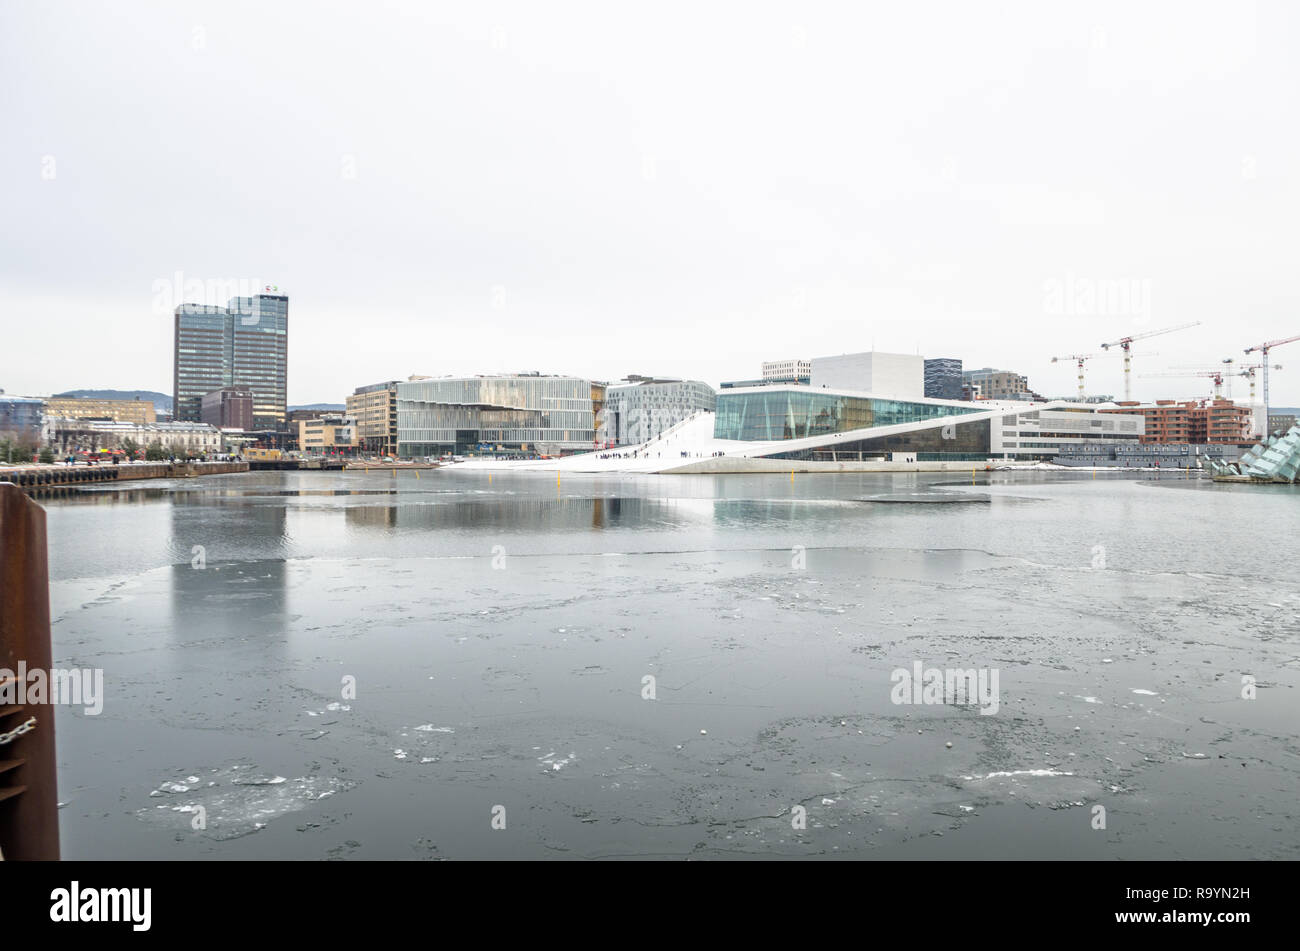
(21, 418)
(987, 383)
(512, 413)
(640, 408)
(230, 407)
(242, 344)
(330, 433)
(787, 371)
(897, 375)
(123, 411)
(943, 378)
(375, 409)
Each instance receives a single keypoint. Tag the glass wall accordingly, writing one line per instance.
(796, 414)
(545, 413)
(959, 442)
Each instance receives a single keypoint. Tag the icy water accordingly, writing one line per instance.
(504, 638)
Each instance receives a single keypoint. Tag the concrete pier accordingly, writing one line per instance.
(51, 480)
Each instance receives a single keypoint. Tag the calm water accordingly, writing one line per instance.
(500, 636)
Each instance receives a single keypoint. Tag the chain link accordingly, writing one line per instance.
(6, 738)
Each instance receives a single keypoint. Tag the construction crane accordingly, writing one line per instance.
(1079, 359)
(1263, 349)
(1229, 364)
(1248, 371)
(1217, 376)
(1126, 344)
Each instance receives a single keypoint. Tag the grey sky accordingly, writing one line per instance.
(679, 189)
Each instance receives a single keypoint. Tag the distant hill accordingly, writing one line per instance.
(161, 401)
(340, 407)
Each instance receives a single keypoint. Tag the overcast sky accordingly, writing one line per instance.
(658, 188)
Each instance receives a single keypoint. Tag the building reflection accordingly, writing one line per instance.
(219, 592)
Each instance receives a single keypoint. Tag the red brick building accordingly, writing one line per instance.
(1201, 422)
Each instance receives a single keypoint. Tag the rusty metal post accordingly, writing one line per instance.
(29, 808)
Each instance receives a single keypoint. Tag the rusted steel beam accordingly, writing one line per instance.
(29, 804)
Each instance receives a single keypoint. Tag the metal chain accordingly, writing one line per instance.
(17, 731)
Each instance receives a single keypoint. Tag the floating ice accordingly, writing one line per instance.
(237, 805)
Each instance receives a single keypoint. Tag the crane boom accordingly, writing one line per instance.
(1126, 345)
(1264, 348)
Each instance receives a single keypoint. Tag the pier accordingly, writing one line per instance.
(48, 481)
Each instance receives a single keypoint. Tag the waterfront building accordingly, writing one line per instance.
(898, 375)
(641, 408)
(787, 371)
(1145, 455)
(21, 418)
(834, 425)
(242, 344)
(375, 409)
(943, 378)
(230, 407)
(91, 435)
(1201, 422)
(522, 412)
(124, 411)
(1275, 459)
(328, 433)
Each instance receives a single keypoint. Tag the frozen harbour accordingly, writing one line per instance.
(500, 634)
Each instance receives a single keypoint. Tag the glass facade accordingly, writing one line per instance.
(243, 344)
(961, 442)
(526, 413)
(776, 413)
(943, 378)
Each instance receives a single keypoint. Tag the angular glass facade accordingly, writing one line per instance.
(779, 413)
(959, 442)
(543, 414)
(243, 344)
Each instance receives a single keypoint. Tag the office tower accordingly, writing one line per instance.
(244, 344)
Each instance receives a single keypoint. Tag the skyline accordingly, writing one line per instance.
(461, 192)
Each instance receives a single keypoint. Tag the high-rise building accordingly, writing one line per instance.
(245, 343)
(943, 378)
